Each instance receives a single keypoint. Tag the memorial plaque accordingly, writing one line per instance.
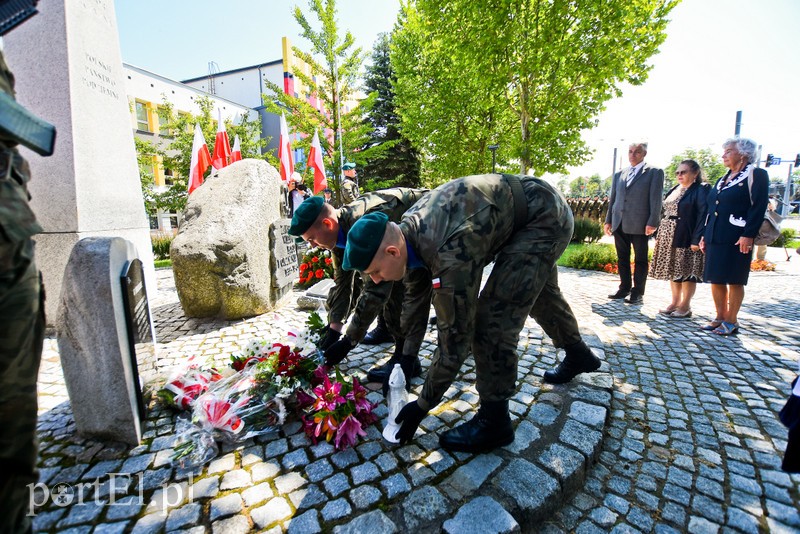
(285, 267)
(137, 318)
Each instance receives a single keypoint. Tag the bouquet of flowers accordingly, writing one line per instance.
(184, 387)
(316, 265)
(339, 412)
(251, 402)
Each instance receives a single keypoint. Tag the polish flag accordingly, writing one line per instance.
(236, 153)
(222, 147)
(201, 159)
(315, 162)
(285, 152)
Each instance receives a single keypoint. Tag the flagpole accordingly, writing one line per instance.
(339, 123)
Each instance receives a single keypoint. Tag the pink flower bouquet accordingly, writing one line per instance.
(340, 412)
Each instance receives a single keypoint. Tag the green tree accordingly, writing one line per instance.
(531, 75)
(176, 152)
(709, 162)
(587, 187)
(395, 162)
(333, 80)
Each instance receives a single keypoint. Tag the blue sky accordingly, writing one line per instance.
(720, 56)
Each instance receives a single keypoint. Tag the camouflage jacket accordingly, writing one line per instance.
(349, 191)
(394, 203)
(17, 221)
(457, 230)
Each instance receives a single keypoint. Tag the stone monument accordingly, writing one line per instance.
(68, 70)
(232, 257)
(100, 370)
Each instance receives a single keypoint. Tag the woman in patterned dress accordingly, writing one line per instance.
(677, 255)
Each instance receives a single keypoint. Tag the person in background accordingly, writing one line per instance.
(634, 210)
(298, 191)
(349, 187)
(326, 195)
(736, 206)
(677, 256)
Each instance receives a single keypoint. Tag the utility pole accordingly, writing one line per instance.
(738, 127)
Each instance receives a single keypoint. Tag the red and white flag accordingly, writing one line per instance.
(315, 162)
(222, 146)
(285, 152)
(201, 159)
(236, 152)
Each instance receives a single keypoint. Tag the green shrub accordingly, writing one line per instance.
(161, 243)
(163, 263)
(586, 231)
(786, 238)
(594, 257)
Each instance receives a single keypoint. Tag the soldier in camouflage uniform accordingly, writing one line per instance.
(21, 332)
(349, 188)
(523, 226)
(324, 226)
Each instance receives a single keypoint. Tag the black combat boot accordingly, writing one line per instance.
(489, 429)
(578, 358)
(380, 373)
(379, 334)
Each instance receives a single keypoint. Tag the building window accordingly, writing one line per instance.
(163, 121)
(142, 117)
(169, 177)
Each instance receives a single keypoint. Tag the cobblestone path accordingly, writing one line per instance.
(679, 432)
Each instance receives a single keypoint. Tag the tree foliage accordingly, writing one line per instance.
(709, 161)
(333, 81)
(594, 186)
(528, 75)
(178, 130)
(395, 162)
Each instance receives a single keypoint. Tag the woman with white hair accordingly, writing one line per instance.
(736, 206)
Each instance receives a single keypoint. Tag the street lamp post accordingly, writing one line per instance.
(493, 148)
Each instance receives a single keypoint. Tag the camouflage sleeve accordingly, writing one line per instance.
(340, 295)
(455, 304)
(416, 309)
(370, 303)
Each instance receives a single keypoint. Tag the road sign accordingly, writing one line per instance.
(776, 161)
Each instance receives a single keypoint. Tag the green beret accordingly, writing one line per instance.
(305, 215)
(363, 241)
(348, 166)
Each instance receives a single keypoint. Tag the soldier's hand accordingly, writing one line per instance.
(330, 337)
(338, 351)
(409, 418)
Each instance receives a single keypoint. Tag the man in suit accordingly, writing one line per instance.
(633, 214)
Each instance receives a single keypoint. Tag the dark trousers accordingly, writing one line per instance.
(623, 243)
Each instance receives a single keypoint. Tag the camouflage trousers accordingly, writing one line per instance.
(523, 281)
(21, 336)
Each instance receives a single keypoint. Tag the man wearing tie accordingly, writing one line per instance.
(633, 214)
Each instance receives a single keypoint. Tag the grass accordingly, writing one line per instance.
(163, 263)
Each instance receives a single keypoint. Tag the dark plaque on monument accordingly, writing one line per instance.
(137, 317)
(285, 267)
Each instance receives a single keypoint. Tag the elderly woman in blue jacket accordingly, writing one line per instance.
(677, 256)
(736, 206)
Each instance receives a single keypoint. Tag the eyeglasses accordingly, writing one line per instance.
(681, 173)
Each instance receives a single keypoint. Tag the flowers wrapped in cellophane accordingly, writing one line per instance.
(253, 401)
(183, 387)
(340, 412)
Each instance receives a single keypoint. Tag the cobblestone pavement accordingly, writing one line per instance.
(686, 440)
